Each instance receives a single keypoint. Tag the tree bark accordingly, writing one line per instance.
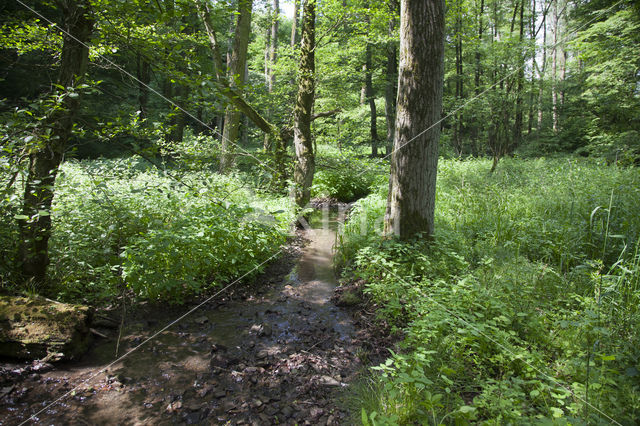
(45, 161)
(478, 125)
(554, 68)
(517, 126)
(236, 81)
(412, 183)
(391, 88)
(144, 78)
(305, 158)
(294, 23)
(273, 49)
(373, 113)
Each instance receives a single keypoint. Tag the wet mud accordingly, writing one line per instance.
(282, 354)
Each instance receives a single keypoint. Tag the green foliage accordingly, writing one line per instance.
(523, 308)
(119, 221)
(345, 177)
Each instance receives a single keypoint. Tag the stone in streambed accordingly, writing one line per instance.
(36, 328)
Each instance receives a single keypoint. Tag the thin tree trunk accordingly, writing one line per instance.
(391, 88)
(305, 158)
(542, 73)
(517, 126)
(370, 96)
(273, 49)
(45, 162)
(412, 182)
(236, 74)
(294, 23)
(457, 126)
(478, 127)
(273, 54)
(532, 30)
(144, 78)
(554, 69)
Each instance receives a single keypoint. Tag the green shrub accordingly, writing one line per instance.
(116, 219)
(523, 307)
(347, 179)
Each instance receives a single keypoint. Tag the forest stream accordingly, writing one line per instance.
(280, 357)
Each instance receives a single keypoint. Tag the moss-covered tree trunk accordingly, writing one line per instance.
(55, 133)
(412, 183)
(305, 158)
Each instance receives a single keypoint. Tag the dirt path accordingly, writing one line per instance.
(277, 358)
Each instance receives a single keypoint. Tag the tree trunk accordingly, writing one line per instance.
(236, 74)
(542, 73)
(373, 113)
(45, 161)
(554, 69)
(457, 126)
(478, 125)
(412, 183)
(144, 78)
(294, 23)
(517, 126)
(272, 42)
(273, 48)
(391, 88)
(305, 159)
(237, 100)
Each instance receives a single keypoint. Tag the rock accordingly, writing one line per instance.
(36, 328)
(174, 406)
(329, 381)
(201, 320)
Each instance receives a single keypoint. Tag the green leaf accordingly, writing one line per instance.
(21, 217)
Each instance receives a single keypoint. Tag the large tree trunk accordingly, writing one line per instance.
(305, 158)
(45, 161)
(236, 74)
(412, 183)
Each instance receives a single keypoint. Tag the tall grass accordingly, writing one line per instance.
(526, 305)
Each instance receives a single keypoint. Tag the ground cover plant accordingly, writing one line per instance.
(523, 308)
(167, 234)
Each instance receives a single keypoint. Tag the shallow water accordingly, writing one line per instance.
(277, 356)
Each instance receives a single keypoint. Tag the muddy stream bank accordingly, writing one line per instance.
(280, 355)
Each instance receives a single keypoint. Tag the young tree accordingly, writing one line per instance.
(412, 183)
(236, 80)
(305, 158)
(46, 157)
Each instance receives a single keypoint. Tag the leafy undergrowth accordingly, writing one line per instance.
(121, 223)
(525, 308)
(346, 177)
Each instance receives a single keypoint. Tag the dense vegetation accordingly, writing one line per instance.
(526, 305)
(168, 173)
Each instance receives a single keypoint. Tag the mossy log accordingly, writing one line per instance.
(39, 328)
